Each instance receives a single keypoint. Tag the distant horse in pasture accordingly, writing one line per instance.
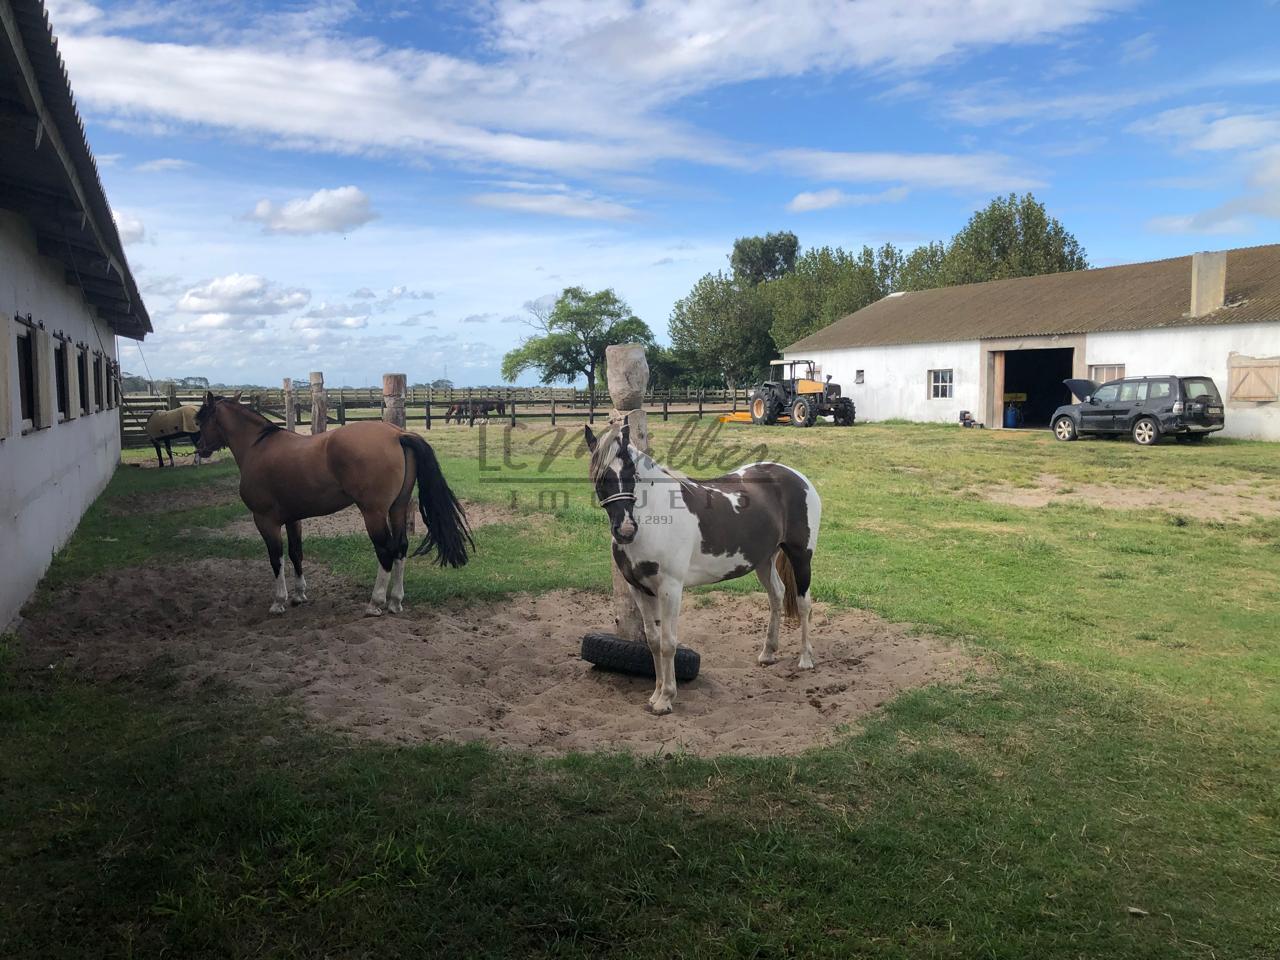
(169, 425)
(670, 531)
(473, 409)
(286, 478)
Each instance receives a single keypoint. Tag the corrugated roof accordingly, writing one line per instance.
(48, 172)
(1134, 296)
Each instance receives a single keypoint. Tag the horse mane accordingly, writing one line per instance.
(602, 455)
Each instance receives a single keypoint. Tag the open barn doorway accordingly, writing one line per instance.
(1033, 383)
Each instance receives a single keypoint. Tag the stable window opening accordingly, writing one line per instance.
(941, 384)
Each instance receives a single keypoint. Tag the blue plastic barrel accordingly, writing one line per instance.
(1012, 416)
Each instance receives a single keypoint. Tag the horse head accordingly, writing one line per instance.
(211, 437)
(613, 471)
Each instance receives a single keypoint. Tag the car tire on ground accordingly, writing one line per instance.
(1064, 428)
(803, 412)
(610, 652)
(1145, 431)
(763, 410)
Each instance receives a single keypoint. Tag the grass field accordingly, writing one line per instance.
(1111, 789)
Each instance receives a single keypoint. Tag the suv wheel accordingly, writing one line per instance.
(803, 412)
(762, 410)
(1064, 428)
(1145, 432)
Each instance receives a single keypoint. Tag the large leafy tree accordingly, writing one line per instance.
(574, 334)
(756, 260)
(721, 331)
(826, 284)
(1012, 236)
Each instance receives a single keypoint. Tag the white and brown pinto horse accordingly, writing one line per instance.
(670, 532)
(286, 478)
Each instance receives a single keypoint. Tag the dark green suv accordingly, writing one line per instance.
(1146, 408)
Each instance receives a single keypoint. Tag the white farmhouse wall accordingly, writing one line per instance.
(1189, 351)
(896, 379)
(49, 477)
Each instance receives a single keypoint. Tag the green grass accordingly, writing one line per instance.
(1124, 754)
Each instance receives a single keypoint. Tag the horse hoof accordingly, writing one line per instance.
(298, 601)
(806, 663)
(372, 611)
(277, 608)
(767, 659)
(395, 606)
(661, 708)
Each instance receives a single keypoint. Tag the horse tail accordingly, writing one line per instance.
(445, 520)
(788, 574)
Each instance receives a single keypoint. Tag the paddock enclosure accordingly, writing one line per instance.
(1027, 726)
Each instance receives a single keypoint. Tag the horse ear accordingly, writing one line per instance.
(591, 439)
(236, 398)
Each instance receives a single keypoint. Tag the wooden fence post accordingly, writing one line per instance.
(290, 411)
(342, 409)
(427, 413)
(319, 403)
(628, 373)
(553, 411)
(512, 407)
(699, 404)
(666, 399)
(393, 390)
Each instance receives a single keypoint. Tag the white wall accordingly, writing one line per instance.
(896, 379)
(49, 477)
(1190, 351)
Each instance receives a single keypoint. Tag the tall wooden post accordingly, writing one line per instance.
(171, 397)
(319, 403)
(290, 411)
(393, 390)
(628, 376)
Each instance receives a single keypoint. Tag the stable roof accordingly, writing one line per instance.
(1134, 296)
(48, 173)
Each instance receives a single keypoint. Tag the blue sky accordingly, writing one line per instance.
(360, 188)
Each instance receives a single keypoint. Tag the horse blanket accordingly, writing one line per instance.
(170, 423)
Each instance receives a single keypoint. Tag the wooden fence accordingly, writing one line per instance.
(426, 406)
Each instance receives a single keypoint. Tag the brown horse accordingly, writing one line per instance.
(285, 478)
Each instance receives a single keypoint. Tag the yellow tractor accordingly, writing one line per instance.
(794, 392)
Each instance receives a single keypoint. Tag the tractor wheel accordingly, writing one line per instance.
(803, 412)
(844, 413)
(763, 410)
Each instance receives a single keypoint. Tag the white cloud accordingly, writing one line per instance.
(364, 293)
(1141, 47)
(1197, 223)
(961, 171)
(130, 228)
(824, 199)
(241, 294)
(1211, 126)
(326, 211)
(310, 321)
(580, 206)
(564, 85)
(163, 165)
(479, 318)
(71, 13)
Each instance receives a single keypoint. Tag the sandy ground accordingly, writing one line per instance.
(508, 673)
(1231, 502)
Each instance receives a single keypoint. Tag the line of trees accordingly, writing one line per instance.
(731, 324)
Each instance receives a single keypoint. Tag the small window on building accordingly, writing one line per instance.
(858, 377)
(27, 376)
(1105, 372)
(82, 376)
(60, 378)
(97, 383)
(941, 383)
(1253, 379)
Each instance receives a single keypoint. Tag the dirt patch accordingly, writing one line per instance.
(1231, 502)
(188, 497)
(507, 672)
(348, 522)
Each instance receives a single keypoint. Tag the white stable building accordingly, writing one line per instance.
(65, 294)
(929, 355)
